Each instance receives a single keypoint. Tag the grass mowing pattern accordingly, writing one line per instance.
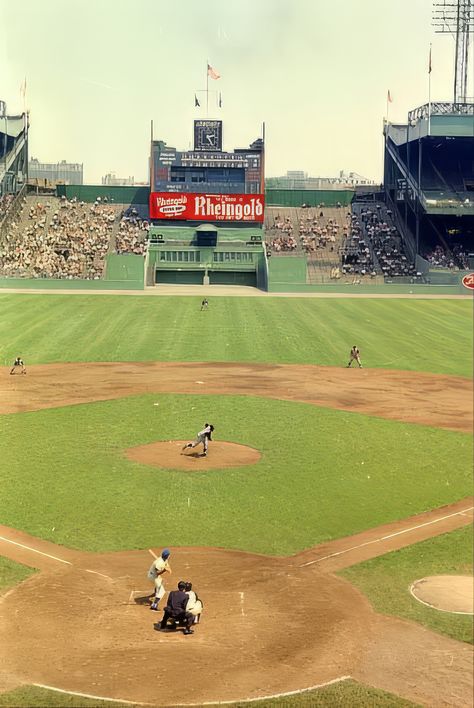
(344, 694)
(323, 474)
(386, 580)
(12, 573)
(417, 335)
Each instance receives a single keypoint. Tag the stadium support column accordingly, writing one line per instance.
(418, 201)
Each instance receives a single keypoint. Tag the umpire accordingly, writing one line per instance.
(176, 609)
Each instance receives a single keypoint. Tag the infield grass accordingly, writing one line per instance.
(417, 335)
(12, 573)
(344, 694)
(386, 580)
(323, 474)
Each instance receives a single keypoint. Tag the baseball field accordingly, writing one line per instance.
(327, 492)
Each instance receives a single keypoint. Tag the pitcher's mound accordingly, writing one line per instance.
(449, 593)
(170, 455)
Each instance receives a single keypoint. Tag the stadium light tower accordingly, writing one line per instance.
(456, 17)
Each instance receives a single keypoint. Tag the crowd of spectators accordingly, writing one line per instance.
(457, 259)
(281, 235)
(386, 242)
(355, 253)
(315, 235)
(59, 239)
(5, 203)
(312, 232)
(132, 234)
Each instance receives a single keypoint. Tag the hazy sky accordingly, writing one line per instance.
(316, 71)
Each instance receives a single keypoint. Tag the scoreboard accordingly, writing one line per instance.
(206, 168)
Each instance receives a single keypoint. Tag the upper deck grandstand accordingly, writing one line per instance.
(429, 181)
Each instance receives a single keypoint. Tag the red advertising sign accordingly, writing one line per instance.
(468, 281)
(191, 206)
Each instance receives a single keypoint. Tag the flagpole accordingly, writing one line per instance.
(429, 95)
(207, 89)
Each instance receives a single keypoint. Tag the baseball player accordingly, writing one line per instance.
(18, 364)
(354, 356)
(158, 568)
(202, 438)
(204, 304)
(194, 605)
(176, 610)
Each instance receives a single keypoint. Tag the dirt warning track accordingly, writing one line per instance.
(425, 399)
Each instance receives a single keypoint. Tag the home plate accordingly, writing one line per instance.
(199, 382)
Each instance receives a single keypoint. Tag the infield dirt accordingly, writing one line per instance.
(426, 399)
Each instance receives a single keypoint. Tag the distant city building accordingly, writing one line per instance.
(55, 172)
(112, 181)
(297, 179)
(296, 174)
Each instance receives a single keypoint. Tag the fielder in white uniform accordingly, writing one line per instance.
(202, 438)
(157, 569)
(354, 356)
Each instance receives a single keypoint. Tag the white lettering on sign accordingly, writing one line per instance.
(205, 207)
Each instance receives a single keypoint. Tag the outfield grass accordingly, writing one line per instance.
(419, 335)
(386, 580)
(323, 474)
(344, 694)
(12, 573)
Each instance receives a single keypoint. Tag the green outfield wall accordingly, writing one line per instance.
(125, 272)
(273, 197)
(90, 192)
(51, 284)
(312, 197)
(126, 268)
(286, 270)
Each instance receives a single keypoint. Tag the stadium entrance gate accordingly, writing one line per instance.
(179, 277)
(233, 277)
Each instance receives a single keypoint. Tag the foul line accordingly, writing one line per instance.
(97, 573)
(384, 538)
(89, 695)
(35, 550)
(267, 698)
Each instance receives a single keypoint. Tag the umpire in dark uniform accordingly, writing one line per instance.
(176, 609)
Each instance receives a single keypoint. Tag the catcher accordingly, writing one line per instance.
(202, 438)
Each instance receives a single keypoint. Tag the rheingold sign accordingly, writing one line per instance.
(191, 206)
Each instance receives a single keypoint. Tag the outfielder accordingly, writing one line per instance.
(18, 364)
(202, 438)
(354, 356)
(158, 568)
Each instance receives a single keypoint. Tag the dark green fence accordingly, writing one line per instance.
(312, 197)
(90, 192)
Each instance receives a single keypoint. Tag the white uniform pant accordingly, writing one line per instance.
(200, 440)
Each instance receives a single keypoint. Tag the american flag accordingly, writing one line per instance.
(212, 72)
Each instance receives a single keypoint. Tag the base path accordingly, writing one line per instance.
(82, 625)
(426, 399)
